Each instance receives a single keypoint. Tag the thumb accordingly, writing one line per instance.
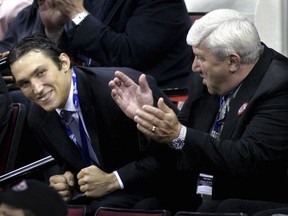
(69, 178)
(162, 106)
(143, 83)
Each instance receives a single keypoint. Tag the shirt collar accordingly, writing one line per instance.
(69, 106)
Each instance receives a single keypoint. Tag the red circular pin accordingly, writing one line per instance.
(242, 108)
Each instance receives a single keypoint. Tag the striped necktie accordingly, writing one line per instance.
(73, 122)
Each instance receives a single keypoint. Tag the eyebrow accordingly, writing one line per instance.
(35, 71)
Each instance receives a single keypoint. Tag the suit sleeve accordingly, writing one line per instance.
(153, 28)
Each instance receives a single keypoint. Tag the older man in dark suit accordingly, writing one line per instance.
(232, 130)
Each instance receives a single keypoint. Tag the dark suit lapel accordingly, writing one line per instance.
(201, 108)
(232, 118)
(246, 91)
(209, 112)
(89, 115)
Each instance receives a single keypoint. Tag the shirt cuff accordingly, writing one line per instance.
(119, 179)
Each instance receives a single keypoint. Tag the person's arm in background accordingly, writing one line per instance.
(161, 26)
(52, 19)
(138, 34)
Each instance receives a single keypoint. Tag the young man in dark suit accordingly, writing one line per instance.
(110, 163)
(232, 130)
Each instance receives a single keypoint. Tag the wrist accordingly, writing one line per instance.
(118, 184)
(179, 142)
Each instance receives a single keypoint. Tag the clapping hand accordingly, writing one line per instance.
(128, 95)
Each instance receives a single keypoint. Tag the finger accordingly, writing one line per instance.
(83, 172)
(146, 122)
(155, 135)
(65, 194)
(83, 188)
(150, 112)
(115, 86)
(124, 78)
(143, 83)
(55, 179)
(81, 181)
(147, 114)
(114, 83)
(69, 178)
(162, 106)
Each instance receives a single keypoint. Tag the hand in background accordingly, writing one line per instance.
(69, 8)
(52, 19)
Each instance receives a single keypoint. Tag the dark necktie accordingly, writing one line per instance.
(221, 115)
(72, 122)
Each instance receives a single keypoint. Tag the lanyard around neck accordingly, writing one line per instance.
(84, 149)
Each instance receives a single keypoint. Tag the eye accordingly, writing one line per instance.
(40, 73)
(23, 84)
(199, 58)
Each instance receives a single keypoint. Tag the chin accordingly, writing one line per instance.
(47, 108)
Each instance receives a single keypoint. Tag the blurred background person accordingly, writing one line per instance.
(148, 36)
(8, 10)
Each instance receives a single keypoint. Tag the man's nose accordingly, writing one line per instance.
(37, 87)
(196, 66)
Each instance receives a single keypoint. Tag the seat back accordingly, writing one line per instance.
(177, 95)
(11, 141)
(108, 211)
(196, 15)
(187, 213)
(77, 210)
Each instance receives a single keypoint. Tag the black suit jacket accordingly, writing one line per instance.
(114, 137)
(147, 35)
(250, 159)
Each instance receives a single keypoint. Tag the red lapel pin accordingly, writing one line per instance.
(242, 108)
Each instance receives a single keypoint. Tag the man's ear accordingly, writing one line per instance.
(234, 62)
(65, 62)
